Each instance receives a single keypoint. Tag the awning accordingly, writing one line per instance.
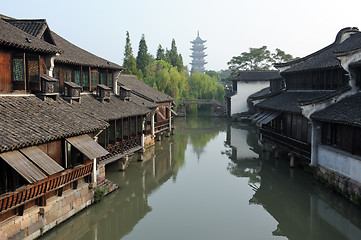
(42, 160)
(86, 145)
(172, 111)
(269, 118)
(264, 117)
(23, 166)
(161, 115)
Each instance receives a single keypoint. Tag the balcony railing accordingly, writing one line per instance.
(299, 148)
(122, 147)
(28, 193)
(161, 126)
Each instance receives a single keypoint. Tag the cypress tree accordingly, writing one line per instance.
(129, 61)
(143, 57)
(160, 53)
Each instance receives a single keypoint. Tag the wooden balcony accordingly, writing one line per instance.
(122, 147)
(36, 190)
(299, 148)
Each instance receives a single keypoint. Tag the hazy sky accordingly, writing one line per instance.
(229, 26)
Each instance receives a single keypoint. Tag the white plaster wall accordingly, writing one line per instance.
(239, 100)
(340, 161)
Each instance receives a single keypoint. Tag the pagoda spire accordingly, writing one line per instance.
(198, 55)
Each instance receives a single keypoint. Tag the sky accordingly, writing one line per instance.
(298, 27)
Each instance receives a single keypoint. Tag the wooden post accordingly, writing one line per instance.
(292, 160)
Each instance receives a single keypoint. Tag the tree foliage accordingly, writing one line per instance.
(203, 86)
(174, 58)
(166, 78)
(143, 57)
(258, 59)
(129, 61)
(160, 53)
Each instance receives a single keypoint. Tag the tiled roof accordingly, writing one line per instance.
(28, 120)
(105, 110)
(142, 102)
(347, 111)
(12, 36)
(142, 88)
(72, 54)
(256, 75)
(261, 93)
(35, 27)
(326, 57)
(288, 101)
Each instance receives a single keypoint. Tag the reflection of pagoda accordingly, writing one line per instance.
(198, 55)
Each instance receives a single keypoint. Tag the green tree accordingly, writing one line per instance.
(174, 58)
(129, 61)
(213, 74)
(280, 56)
(160, 53)
(255, 59)
(143, 57)
(203, 86)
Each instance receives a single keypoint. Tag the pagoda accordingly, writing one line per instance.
(198, 55)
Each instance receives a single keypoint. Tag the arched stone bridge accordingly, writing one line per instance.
(218, 108)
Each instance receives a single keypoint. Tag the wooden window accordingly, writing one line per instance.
(95, 79)
(18, 72)
(125, 128)
(56, 73)
(133, 126)
(119, 132)
(110, 80)
(77, 77)
(33, 73)
(139, 124)
(85, 77)
(103, 78)
(111, 131)
(74, 156)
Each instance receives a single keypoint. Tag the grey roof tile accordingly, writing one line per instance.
(347, 111)
(28, 120)
(137, 86)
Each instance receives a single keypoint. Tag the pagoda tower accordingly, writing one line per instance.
(198, 55)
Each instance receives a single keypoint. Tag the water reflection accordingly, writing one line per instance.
(211, 180)
(303, 208)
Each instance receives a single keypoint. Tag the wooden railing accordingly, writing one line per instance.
(121, 147)
(23, 195)
(299, 148)
(161, 125)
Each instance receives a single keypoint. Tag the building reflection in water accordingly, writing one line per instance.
(303, 208)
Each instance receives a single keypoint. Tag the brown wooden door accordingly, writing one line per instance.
(5, 72)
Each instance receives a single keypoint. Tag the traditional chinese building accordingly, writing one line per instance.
(316, 117)
(159, 122)
(198, 55)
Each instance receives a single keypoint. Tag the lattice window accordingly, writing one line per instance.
(77, 77)
(18, 69)
(95, 76)
(85, 78)
(33, 70)
(110, 80)
(103, 78)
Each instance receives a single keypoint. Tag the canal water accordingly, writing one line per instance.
(212, 181)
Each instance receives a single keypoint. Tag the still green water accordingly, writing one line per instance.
(212, 181)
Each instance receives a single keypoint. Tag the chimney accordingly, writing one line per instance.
(124, 93)
(103, 92)
(72, 91)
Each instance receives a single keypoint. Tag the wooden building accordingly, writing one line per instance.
(160, 104)
(46, 147)
(316, 118)
(125, 134)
